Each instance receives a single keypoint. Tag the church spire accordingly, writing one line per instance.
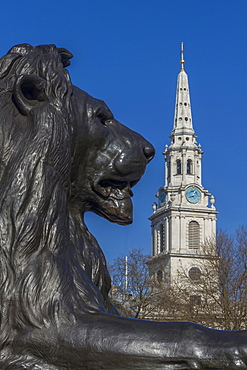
(182, 116)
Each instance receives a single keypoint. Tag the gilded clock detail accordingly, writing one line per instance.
(193, 195)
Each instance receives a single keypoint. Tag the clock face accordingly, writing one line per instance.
(193, 195)
(162, 198)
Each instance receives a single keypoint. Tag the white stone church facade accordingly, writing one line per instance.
(185, 216)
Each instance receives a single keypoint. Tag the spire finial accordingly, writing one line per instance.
(182, 56)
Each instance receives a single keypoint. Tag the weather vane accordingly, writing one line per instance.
(182, 56)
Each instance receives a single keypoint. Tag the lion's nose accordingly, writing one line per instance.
(149, 151)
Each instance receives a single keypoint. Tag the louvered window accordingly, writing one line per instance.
(194, 235)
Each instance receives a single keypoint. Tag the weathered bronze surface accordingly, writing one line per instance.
(62, 154)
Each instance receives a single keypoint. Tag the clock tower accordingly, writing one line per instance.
(185, 216)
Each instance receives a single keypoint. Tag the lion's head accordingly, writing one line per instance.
(62, 154)
(104, 172)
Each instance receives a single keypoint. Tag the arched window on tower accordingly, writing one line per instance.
(179, 168)
(194, 235)
(169, 169)
(189, 167)
(161, 238)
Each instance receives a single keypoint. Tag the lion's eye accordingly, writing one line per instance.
(103, 119)
(103, 114)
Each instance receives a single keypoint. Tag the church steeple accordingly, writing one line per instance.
(185, 216)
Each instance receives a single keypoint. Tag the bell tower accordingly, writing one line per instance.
(185, 216)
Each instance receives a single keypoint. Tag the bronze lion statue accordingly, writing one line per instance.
(62, 154)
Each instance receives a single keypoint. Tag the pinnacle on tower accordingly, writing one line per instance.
(182, 56)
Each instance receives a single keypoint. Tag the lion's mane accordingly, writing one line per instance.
(51, 267)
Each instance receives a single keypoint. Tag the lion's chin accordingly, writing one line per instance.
(119, 211)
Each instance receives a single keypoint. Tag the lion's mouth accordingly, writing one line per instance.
(115, 188)
(114, 199)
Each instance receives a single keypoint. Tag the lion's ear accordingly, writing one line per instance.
(29, 90)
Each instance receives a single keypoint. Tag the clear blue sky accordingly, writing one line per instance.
(126, 52)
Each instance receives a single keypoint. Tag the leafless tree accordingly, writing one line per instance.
(131, 292)
(216, 298)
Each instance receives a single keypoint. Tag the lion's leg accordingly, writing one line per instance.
(114, 343)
